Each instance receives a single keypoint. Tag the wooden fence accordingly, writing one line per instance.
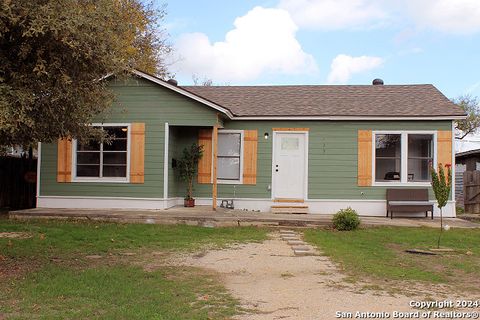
(471, 191)
(459, 196)
(17, 182)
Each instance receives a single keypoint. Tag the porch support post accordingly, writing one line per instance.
(165, 164)
(214, 166)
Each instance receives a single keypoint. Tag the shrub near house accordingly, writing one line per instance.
(346, 220)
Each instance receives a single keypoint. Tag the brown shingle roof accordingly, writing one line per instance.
(331, 100)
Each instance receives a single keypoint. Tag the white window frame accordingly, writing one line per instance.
(239, 181)
(403, 157)
(107, 179)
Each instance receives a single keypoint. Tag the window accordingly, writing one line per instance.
(104, 161)
(388, 157)
(420, 156)
(229, 159)
(403, 157)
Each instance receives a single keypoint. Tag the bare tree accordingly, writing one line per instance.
(471, 106)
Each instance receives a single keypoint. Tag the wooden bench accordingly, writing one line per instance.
(408, 200)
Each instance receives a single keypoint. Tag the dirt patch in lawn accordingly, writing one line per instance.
(272, 283)
(456, 269)
(15, 235)
(12, 268)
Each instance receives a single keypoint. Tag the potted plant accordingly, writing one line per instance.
(187, 169)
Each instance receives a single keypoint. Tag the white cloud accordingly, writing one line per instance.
(473, 88)
(335, 14)
(449, 16)
(263, 41)
(344, 66)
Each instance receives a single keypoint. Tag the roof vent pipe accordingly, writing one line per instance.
(173, 82)
(377, 82)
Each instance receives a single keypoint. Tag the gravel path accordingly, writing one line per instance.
(275, 284)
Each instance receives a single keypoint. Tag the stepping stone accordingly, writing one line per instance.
(302, 252)
(291, 238)
(289, 235)
(300, 248)
(94, 256)
(286, 230)
(127, 253)
(295, 242)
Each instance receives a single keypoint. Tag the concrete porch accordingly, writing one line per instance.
(205, 216)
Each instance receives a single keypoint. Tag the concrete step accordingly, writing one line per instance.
(294, 209)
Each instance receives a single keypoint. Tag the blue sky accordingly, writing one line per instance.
(328, 42)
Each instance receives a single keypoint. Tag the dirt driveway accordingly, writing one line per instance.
(275, 284)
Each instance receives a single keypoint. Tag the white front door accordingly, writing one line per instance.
(289, 165)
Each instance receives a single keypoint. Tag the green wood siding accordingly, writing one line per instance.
(137, 100)
(332, 157)
(332, 149)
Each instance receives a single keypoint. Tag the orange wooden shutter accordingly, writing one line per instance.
(250, 140)
(444, 147)
(137, 153)
(205, 162)
(64, 160)
(364, 158)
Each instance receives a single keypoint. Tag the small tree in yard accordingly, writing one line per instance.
(187, 167)
(441, 186)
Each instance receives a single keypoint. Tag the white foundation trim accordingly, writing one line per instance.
(100, 203)
(316, 206)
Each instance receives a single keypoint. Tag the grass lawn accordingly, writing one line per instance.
(52, 276)
(379, 253)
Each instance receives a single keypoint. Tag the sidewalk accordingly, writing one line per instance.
(204, 216)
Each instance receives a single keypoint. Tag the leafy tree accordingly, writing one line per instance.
(441, 186)
(471, 106)
(53, 55)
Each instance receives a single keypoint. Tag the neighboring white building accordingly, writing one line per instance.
(19, 151)
(470, 142)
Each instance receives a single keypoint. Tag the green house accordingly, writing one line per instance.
(317, 148)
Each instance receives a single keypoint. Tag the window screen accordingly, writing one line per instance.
(388, 157)
(228, 157)
(420, 156)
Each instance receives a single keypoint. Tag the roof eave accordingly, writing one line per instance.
(183, 92)
(349, 118)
